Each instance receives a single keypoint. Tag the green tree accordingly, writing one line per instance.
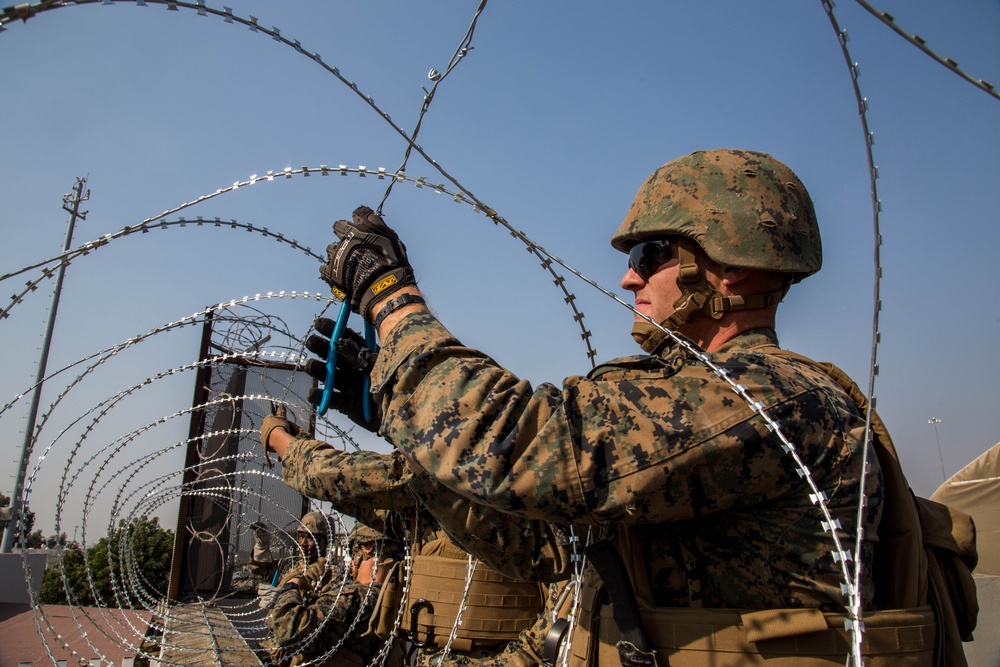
(35, 540)
(135, 557)
(53, 541)
(53, 589)
(28, 518)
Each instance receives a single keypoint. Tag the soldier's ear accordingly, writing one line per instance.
(732, 275)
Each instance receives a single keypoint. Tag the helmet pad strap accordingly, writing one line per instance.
(697, 296)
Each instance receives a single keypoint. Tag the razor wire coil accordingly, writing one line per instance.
(840, 554)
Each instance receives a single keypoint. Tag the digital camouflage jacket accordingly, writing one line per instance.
(375, 489)
(306, 625)
(718, 513)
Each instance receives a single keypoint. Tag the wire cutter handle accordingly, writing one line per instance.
(369, 408)
(331, 361)
(331, 356)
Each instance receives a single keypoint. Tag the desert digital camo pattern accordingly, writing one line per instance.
(743, 208)
(375, 489)
(368, 486)
(305, 625)
(660, 444)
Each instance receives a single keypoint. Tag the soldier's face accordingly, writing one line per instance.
(308, 546)
(656, 296)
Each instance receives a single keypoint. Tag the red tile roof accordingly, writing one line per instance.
(77, 634)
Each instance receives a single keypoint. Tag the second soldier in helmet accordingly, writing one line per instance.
(315, 613)
(502, 622)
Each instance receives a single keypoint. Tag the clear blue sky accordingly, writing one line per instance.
(553, 119)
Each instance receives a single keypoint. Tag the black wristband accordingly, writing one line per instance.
(291, 585)
(394, 305)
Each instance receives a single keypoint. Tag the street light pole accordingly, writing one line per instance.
(71, 204)
(934, 421)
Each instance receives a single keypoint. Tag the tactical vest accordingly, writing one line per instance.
(496, 610)
(923, 563)
(750, 638)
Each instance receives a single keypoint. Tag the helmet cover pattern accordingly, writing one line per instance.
(744, 209)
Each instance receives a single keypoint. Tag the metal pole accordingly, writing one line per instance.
(196, 430)
(934, 421)
(74, 199)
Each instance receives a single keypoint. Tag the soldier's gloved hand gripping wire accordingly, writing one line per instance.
(368, 262)
(366, 265)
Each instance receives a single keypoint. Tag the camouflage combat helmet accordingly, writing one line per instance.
(361, 534)
(744, 209)
(319, 526)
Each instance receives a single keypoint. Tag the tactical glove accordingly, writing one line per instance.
(369, 261)
(354, 365)
(261, 536)
(265, 595)
(271, 422)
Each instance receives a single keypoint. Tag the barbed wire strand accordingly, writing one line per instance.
(22, 13)
(856, 625)
(437, 77)
(921, 43)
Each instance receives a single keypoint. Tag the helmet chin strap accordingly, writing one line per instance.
(697, 296)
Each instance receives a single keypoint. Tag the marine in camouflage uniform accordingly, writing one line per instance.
(669, 455)
(314, 611)
(375, 488)
(312, 618)
(658, 443)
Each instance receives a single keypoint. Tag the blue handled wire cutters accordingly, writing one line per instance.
(331, 361)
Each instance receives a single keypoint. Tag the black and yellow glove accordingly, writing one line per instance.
(368, 263)
(354, 365)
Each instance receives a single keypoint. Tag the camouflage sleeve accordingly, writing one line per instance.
(294, 618)
(500, 540)
(263, 567)
(356, 483)
(530, 550)
(479, 429)
(656, 441)
(296, 570)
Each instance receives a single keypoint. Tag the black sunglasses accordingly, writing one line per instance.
(647, 257)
